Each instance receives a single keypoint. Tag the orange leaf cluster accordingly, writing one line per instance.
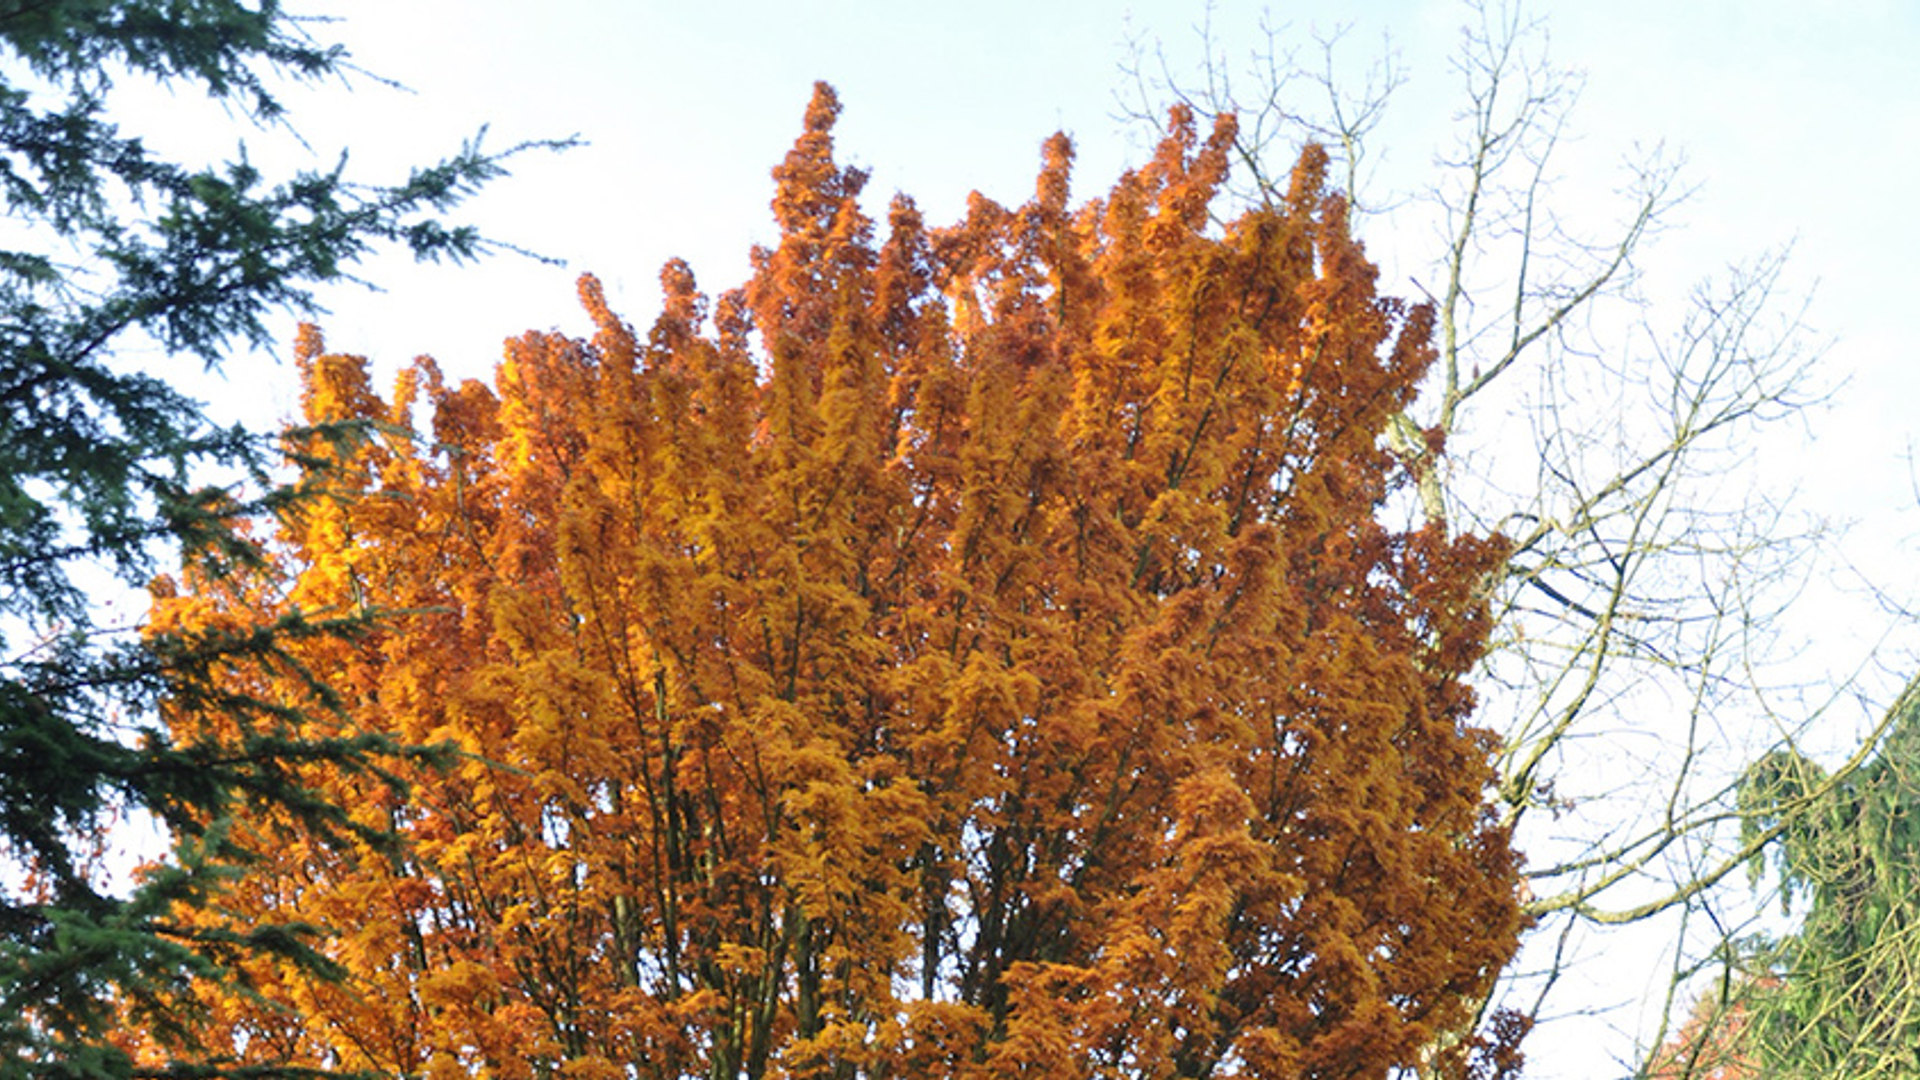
(973, 652)
(1715, 1043)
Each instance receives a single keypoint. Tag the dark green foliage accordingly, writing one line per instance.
(1841, 996)
(104, 471)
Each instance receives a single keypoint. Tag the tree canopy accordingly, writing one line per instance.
(1833, 996)
(106, 468)
(1836, 996)
(969, 651)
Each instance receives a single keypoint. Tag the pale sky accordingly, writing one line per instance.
(1800, 123)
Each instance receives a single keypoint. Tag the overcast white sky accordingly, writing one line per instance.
(1801, 124)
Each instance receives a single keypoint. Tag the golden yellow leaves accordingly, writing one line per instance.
(969, 657)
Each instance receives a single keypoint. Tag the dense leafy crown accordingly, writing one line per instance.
(973, 652)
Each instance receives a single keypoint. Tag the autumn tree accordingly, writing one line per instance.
(1712, 1043)
(971, 651)
(118, 263)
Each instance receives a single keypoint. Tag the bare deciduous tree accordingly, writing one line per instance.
(1641, 656)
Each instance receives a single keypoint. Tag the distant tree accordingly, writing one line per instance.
(1836, 996)
(975, 653)
(105, 467)
(1711, 1044)
(1840, 995)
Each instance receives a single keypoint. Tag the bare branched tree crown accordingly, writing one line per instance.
(1608, 432)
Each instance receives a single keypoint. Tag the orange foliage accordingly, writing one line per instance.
(970, 653)
(1712, 1045)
